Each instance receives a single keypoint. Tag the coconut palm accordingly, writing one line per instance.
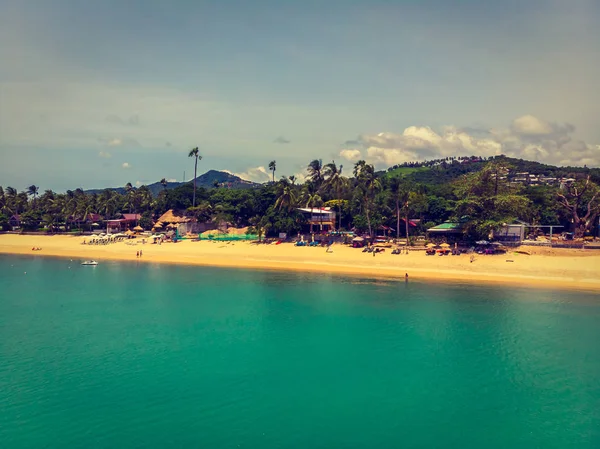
(194, 153)
(313, 199)
(164, 183)
(33, 190)
(400, 191)
(287, 195)
(272, 167)
(315, 172)
(369, 185)
(336, 182)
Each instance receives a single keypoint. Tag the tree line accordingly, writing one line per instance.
(364, 200)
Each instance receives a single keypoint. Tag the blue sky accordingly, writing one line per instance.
(97, 94)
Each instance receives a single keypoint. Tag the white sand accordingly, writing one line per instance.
(555, 268)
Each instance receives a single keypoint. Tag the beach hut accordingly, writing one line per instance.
(358, 242)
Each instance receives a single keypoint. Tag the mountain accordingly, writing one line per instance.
(207, 181)
(444, 171)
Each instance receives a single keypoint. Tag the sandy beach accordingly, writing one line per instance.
(544, 267)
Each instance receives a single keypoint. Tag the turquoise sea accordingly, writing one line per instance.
(127, 355)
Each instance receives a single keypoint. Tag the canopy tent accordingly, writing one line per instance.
(447, 228)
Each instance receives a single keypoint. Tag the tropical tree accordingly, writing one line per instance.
(33, 190)
(194, 153)
(287, 197)
(272, 167)
(313, 199)
(367, 187)
(581, 201)
(164, 183)
(336, 182)
(486, 202)
(315, 172)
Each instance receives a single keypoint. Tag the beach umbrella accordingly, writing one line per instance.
(95, 225)
(482, 242)
(358, 239)
(138, 228)
(430, 245)
(444, 245)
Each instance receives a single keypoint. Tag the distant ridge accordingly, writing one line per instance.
(207, 181)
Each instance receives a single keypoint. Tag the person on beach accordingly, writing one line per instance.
(137, 254)
(140, 253)
(406, 277)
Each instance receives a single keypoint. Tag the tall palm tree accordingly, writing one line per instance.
(194, 153)
(335, 181)
(312, 200)
(400, 191)
(272, 167)
(369, 186)
(287, 196)
(33, 190)
(164, 183)
(315, 172)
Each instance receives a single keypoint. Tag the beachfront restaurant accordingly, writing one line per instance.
(450, 230)
(321, 219)
(127, 221)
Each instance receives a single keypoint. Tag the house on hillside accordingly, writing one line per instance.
(321, 219)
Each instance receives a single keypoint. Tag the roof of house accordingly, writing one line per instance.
(317, 210)
(131, 216)
(171, 216)
(447, 227)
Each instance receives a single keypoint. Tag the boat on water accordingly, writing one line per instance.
(89, 262)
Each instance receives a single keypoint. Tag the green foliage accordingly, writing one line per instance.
(4, 223)
(434, 191)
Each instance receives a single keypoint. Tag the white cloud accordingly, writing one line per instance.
(352, 155)
(114, 142)
(529, 125)
(105, 154)
(126, 165)
(255, 174)
(528, 137)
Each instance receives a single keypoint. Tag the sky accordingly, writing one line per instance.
(98, 94)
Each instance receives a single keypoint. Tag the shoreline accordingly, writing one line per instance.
(565, 270)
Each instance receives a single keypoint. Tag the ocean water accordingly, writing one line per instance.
(128, 355)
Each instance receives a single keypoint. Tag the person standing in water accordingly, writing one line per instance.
(406, 277)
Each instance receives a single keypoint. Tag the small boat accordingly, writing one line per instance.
(89, 262)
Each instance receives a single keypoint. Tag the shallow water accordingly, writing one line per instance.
(158, 356)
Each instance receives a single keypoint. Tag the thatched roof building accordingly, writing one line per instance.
(173, 217)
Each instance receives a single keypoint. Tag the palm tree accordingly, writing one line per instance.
(272, 167)
(287, 195)
(164, 183)
(401, 195)
(194, 153)
(315, 172)
(33, 190)
(335, 181)
(369, 186)
(312, 200)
